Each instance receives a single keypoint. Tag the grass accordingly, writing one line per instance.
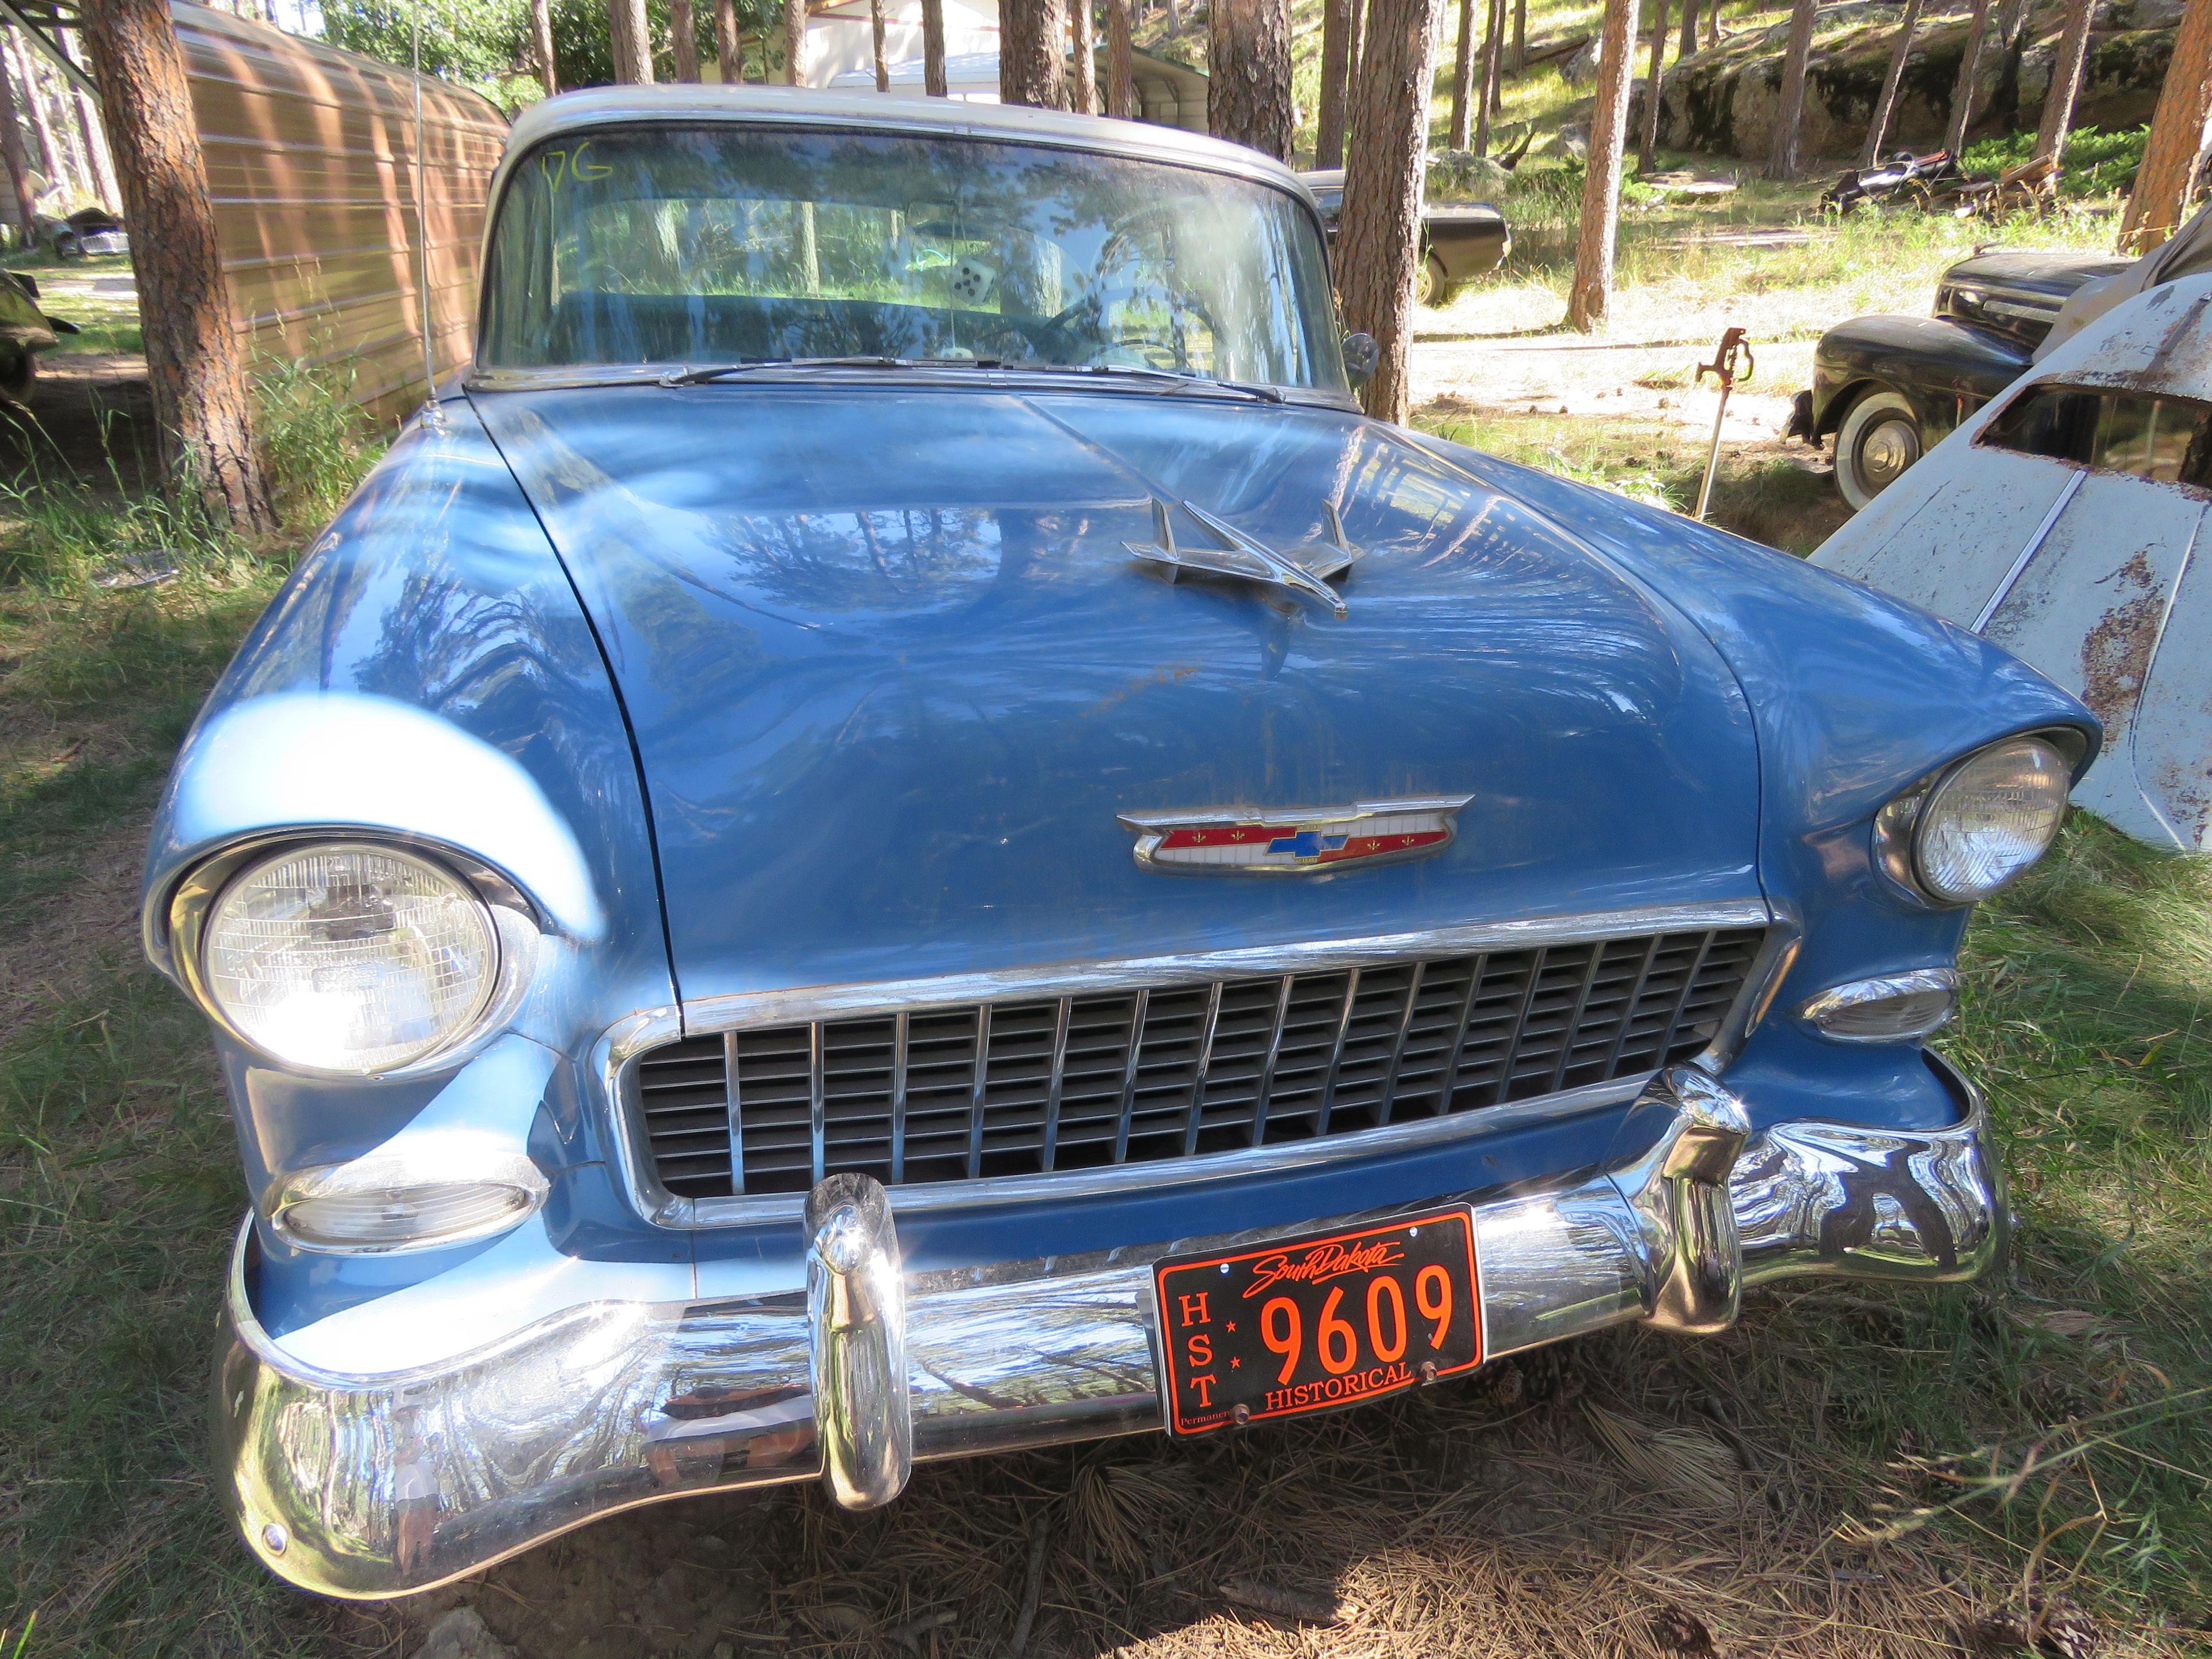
(108, 319)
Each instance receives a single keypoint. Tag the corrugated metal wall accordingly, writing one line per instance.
(310, 162)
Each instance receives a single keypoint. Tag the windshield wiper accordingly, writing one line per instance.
(1181, 382)
(725, 370)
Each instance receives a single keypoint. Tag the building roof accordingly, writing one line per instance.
(690, 104)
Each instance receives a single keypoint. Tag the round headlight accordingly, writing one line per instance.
(1993, 816)
(349, 957)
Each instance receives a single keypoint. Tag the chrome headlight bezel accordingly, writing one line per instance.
(1898, 825)
(516, 932)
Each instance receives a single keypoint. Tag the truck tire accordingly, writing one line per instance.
(1436, 287)
(1880, 438)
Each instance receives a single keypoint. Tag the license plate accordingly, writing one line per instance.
(1309, 1323)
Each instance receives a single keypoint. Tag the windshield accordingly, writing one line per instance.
(720, 245)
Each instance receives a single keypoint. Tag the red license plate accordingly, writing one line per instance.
(1325, 1320)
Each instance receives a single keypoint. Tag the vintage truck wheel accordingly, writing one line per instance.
(1878, 440)
(1436, 287)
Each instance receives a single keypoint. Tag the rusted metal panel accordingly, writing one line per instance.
(2092, 571)
(311, 159)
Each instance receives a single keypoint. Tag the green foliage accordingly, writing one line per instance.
(2096, 163)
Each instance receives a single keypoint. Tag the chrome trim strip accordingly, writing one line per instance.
(1398, 1045)
(980, 1087)
(1459, 1032)
(1263, 1096)
(736, 1114)
(1628, 1008)
(898, 1096)
(1840, 999)
(788, 1007)
(817, 1108)
(1581, 1001)
(607, 1405)
(1137, 1014)
(1190, 1122)
(1061, 1010)
(2042, 533)
(1336, 1054)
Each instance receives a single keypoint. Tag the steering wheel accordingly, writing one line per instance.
(1058, 335)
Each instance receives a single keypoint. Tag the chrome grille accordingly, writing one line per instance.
(1029, 1086)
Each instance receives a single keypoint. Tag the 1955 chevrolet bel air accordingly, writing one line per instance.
(893, 831)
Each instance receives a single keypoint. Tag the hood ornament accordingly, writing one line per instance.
(1304, 570)
(1260, 840)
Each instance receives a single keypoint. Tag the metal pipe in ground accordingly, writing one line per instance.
(1722, 369)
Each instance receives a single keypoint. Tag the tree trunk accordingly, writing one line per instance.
(1175, 19)
(51, 160)
(684, 39)
(1646, 153)
(1032, 57)
(878, 39)
(729, 44)
(2161, 196)
(1790, 117)
(1688, 43)
(1891, 84)
(1462, 76)
(1962, 95)
(2058, 122)
(194, 364)
(1248, 60)
(1520, 35)
(1594, 237)
(1383, 174)
(541, 44)
(933, 49)
(1081, 28)
(1121, 63)
(1713, 22)
(794, 43)
(1493, 43)
(1355, 54)
(24, 204)
(1335, 64)
(95, 139)
(633, 45)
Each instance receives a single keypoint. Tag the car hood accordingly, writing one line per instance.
(2044, 276)
(893, 675)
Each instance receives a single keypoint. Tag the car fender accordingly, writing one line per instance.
(1944, 369)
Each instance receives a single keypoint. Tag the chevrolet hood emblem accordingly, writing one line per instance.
(1294, 840)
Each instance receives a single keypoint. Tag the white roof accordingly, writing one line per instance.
(597, 106)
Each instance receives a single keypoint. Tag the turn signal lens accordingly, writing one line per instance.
(403, 1218)
(1894, 1008)
(349, 957)
(1994, 816)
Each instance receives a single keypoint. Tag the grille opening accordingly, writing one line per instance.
(1032, 1086)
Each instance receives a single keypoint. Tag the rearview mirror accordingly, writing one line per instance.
(1361, 357)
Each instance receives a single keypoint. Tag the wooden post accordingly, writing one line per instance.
(1121, 63)
(684, 39)
(2058, 122)
(633, 45)
(794, 43)
(1891, 84)
(729, 44)
(1335, 63)
(1962, 95)
(933, 83)
(1790, 117)
(1384, 173)
(2160, 196)
(1032, 57)
(194, 364)
(1247, 65)
(1494, 42)
(1646, 153)
(1082, 42)
(1600, 229)
(1463, 77)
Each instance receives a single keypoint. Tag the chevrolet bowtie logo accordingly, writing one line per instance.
(1294, 840)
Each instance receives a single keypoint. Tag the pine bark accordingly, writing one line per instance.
(541, 44)
(1085, 48)
(1520, 35)
(1462, 76)
(1688, 43)
(729, 44)
(25, 199)
(2057, 123)
(1892, 84)
(1355, 51)
(1383, 176)
(95, 139)
(195, 365)
(933, 49)
(1962, 95)
(1646, 153)
(633, 47)
(1790, 117)
(1248, 64)
(794, 43)
(1032, 55)
(684, 39)
(1713, 22)
(1175, 19)
(2161, 196)
(1335, 64)
(1493, 55)
(52, 161)
(878, 26)
(1121, 63)
(1598, 234)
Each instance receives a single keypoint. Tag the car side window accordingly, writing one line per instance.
(2167, 440)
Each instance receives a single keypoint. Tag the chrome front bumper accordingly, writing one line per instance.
(383, 1487)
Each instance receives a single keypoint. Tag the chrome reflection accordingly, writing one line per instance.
(856, 1318)
(388, 1484)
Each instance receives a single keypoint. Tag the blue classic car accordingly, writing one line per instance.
(894, 831)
